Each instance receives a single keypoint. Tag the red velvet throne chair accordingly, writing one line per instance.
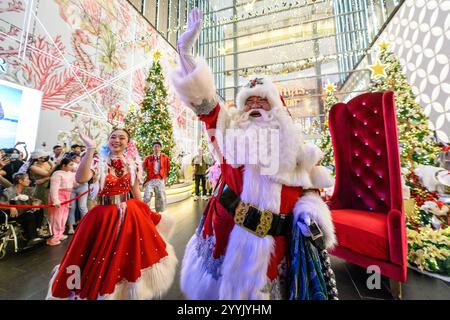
(367, 204)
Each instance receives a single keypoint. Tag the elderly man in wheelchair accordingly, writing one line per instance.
(19, 225)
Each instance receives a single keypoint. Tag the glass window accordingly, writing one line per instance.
(173, 21)
(150, 9)
(137, 4)
(163, 16)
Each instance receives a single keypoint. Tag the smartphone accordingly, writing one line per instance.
(315, 231)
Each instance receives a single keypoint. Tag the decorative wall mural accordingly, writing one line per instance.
(86, 56)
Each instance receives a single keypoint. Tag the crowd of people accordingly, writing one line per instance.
(48, 178)
(40, 179)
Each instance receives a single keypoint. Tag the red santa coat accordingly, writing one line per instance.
(223, 260)
(149, 166)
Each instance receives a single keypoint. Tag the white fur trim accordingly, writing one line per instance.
(298, 177)
(427, 175)
(222, 123)
(309, 156)
(318, 212)
(307, 174)
(197, 86)
(266, 90)
(321, 178)
(166, 225)
(245, 266)
(260, 191)
(153, 283)
(196, 282)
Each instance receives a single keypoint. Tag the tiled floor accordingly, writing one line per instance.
(26, 275)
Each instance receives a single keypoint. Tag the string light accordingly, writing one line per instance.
(251, 13)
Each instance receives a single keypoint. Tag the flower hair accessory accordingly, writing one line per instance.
(104, 151)
(253, 83)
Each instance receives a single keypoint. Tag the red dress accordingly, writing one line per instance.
(116, 252)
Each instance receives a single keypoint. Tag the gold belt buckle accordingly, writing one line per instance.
(113, 200)
(265, 221)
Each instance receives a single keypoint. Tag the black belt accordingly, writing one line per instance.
(259, 222)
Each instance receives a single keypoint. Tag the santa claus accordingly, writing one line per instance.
(266, 213)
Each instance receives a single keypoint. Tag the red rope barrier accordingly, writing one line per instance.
(41, 206)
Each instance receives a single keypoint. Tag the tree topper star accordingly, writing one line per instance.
(156, 55)
(331, 87)
(384, 45)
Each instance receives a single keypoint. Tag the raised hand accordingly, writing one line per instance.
(187, 40)
(194, 27)
(87, 141)
(4, 162)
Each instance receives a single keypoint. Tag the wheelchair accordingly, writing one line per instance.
(11, 232)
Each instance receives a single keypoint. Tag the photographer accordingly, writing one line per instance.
(22, 157)
(21, 194)
(13, 157)
(40, 172)
(4, 183)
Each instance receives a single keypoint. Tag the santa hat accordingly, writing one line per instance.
(260, 87)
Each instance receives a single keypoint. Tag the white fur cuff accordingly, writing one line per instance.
(318, 211)
(309, 156)
(166, 226)
(321, 178)
(196, 89)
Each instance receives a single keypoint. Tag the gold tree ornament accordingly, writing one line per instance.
(156, 55)
(378, 70)
(331, 87)
(384, 45)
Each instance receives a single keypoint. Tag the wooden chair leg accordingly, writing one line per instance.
(396, 289)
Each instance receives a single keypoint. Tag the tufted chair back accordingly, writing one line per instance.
(365, 143)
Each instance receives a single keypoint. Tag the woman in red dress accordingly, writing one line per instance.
(118, 250)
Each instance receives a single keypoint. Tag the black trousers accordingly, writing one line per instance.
(29, 221)
(198, 178)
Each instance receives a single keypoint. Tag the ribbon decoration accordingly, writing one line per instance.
(17, 206)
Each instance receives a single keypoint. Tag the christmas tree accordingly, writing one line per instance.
(325, 143)
(152, 122)
(417, 144)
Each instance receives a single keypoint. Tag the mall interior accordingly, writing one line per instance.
(366, 81)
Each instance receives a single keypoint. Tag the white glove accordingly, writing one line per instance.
(88, 142)
(305, 222)
(187, 40)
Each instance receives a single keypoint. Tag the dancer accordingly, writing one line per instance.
(118, 250)
(266, 214)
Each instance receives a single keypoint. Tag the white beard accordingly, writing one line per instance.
(269, 143)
